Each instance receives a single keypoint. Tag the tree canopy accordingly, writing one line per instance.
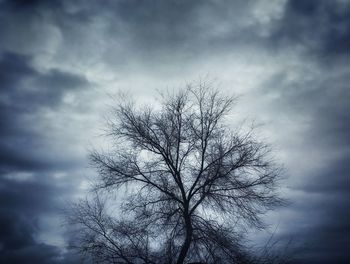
(192, 181)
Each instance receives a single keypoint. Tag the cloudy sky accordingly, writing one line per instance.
(60, 61)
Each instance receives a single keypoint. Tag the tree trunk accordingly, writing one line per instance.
(187, 243)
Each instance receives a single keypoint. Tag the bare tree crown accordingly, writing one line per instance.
(191, 177)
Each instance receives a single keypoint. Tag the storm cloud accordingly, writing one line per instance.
(61, 60)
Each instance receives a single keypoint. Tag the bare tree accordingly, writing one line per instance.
(192, 182)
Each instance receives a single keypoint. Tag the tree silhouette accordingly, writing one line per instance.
(190, 183)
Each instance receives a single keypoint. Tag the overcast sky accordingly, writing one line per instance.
(61, 60)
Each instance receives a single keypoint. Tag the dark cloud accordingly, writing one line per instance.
(50, 50)
(186, 28)
(25, 89)
(13, 68)
(154, 31)
(29, 4)
(26, 93)
(34, 147)
(320, 96)
(315, 98)
(28, 158)
(23, 203)
(321, 230)
(322, 27)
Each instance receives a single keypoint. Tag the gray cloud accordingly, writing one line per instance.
(313, 99)
(60, 59)
(322, 27)
(22, 205)
(26, 95)
(29, 159)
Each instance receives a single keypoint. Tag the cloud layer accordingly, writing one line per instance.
(60, 61)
